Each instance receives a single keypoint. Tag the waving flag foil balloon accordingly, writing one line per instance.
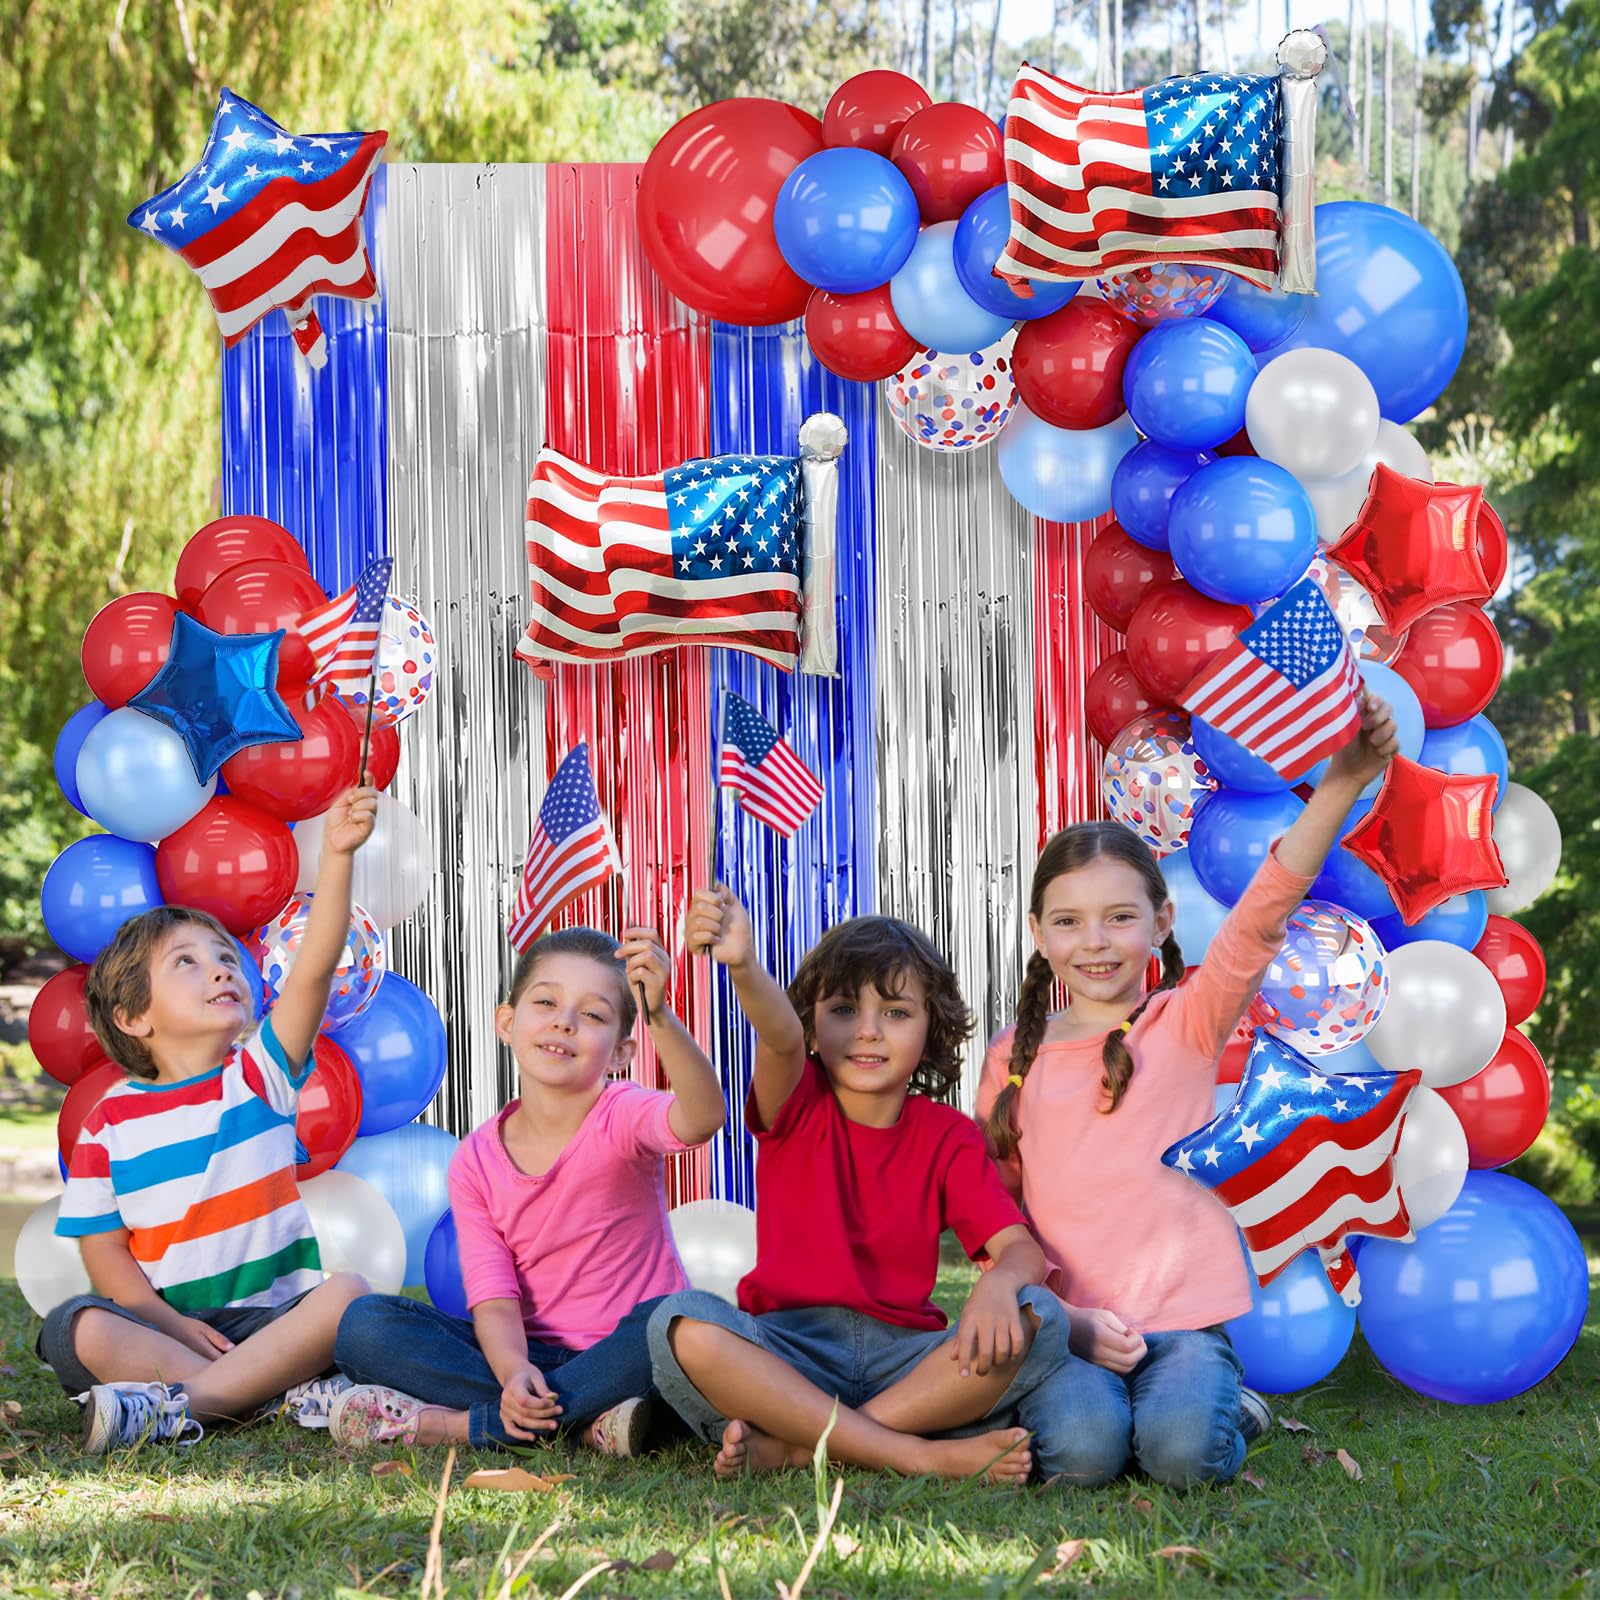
(1302, 1158)
(270, 219)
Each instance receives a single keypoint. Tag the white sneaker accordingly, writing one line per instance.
(125, 1415)
(1255, 1415)
(622, 1430)
(310, 1403)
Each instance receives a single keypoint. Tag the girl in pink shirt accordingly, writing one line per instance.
(1079, 1105)
(561, 1217)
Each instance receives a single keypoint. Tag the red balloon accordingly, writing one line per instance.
(261, 597)
(868, 111)
(295, 778)
(225, 543)
(858, 335)
(233, 860)
(329, 1110)
(59, 1034)
(1113, 697)
(1230, 1065)
(1513, 955)
(1494, 549)
(125, 645)
(1118, 572)
(1503, 1107)
(383, 753)
(1453, 658)
(1068, 366)
(1238, 445)
(81, 1099)
(1175, 631)
(705, 208)
(950, 154)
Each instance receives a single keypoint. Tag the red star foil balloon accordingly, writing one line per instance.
(1429, 835)
(1414, 546)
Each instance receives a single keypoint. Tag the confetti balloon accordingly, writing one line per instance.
(954, 402)
(1163, 291)
(1154, 778)
(408, 661)
(1327, 984)
(1371, 638)
(355, 979)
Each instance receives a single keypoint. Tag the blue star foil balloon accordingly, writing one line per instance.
(1303, 1157)
(217, 690)
(268, 219)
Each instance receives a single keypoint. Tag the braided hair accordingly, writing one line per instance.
(1068, 850)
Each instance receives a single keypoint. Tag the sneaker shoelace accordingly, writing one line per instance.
(145, 1416)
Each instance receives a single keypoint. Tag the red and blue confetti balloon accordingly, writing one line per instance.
(1154, 778)
(408, 661)
(362, 962)
(1328, 983)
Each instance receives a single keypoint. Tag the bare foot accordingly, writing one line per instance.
(745, 1448)
(1002, 1456)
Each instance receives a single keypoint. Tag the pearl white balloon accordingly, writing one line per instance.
(394, 869)
(1313, 412)
(1529, 840)
(716, 1242)
(1445, 1015)
(1430, 1162)
(48, 1269)
(356, 1229)
(1338, 501)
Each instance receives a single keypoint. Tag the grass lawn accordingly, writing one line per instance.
(1503, 1500)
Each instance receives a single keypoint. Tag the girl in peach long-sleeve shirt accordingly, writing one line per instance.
(1079, 1106)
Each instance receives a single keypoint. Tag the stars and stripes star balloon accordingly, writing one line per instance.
(269, 219)
(1303, 1158)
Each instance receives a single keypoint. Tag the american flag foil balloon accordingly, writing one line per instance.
(1303, 1158)
(270, 219)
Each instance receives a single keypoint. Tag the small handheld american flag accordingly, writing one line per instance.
(343, 634)
(772, 782)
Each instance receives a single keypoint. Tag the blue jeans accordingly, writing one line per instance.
(419, 1350)
(1175, 1416)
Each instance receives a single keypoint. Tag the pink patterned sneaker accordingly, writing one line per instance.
(370, 1413)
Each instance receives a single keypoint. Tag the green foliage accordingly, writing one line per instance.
(31, 836)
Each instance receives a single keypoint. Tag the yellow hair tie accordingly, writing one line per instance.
(1127, 1027)
(1015, 1078)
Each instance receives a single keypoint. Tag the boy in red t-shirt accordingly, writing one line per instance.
(857, 1178)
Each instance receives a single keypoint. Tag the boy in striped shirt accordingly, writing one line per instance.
(208, 1295)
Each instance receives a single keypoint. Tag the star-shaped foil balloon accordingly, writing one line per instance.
(1430, 835)
(218, 692)
(1414, 546)
(268, 219)
(1302, 1158)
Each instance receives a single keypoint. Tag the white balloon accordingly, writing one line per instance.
(394, 869)
(1314, 412)
(49, 1269)
(1445, 1015)
(1338, 501)
(716, 1242)
(1529, 840)
(356, 1229)
(1430, 1162)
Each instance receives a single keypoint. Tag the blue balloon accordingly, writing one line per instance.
(441, 1269)
(1488, 1300)
(1409, 726)
(1390, 299)
(1233, 832)
(1196, 915)
(846, 220)
(93, 887)
(1185, 383)
(1351, 1058)
(1231, 764)
(1348, 881)
(1459, 920)
(1261, 317)
(1472, 748)
(135, 778)
(1296, 1330)
(1142, 488)
(981, 234)
(1062, 474)
(1242, 530)
(68, 743)
(409, 1167)
(252, 976)
(931, 304)
(397, 1045)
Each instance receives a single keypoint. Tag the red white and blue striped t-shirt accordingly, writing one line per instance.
(201, 1174)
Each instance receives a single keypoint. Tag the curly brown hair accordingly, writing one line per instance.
(880, 951)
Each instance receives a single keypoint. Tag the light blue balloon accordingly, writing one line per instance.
(846, 220)
(68, 743)
(1242, 530)
(1296, 1330)
(1231, 764)
(1409, 725)
(1352, 1058)
(1460, 920)
(1233, 832)
(1185, 383)
(135, 777)
(930, 302)
(409, 1167)
(1261, 317)
(1062, 474)
(1472, 748)
(1196, 914)
(93, 887)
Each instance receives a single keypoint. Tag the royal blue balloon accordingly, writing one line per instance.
(1233, 832)
(93, 887)
(68, 743)
(981, 235)
(1062, 474)
(1143, 486)
(441, 1269)
(1185, 383)
(1296, 1330)
(397, 1045)
(252, 976)
(1459, 920)
(1485, 1303)
(135, 778)
(1348, 881)
(931, 304)
(1196, 915)
(846, 220)
(1261, 317)
(409, 1167)
(1242, 530)
(1390, 298)
(1232, 765)
(1472, 748)
(1409, 726)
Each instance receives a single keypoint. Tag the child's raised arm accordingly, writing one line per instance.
(717, 923)
(1304, 848)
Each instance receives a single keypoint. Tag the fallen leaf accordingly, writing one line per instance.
(514, 1480)
(387, 1469)
(1067, 1552)
(1182, 1552)
(1252, 1480)
(661, 1561)
(157, 1516)
(1294, 1425)
(1312, 1456)
(1139, 1503)
(845, 1545)
(1349, 1463)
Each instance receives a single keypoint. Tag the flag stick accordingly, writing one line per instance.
(366, 732)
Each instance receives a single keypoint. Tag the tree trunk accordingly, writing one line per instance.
(1117, 80)
(1366, 98)
(1222, 29)
(994, 40)
(927, 48)
(1580, 706)
(1199, 35)
(1416, 113)
(1388, 103)
(1102, 54)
